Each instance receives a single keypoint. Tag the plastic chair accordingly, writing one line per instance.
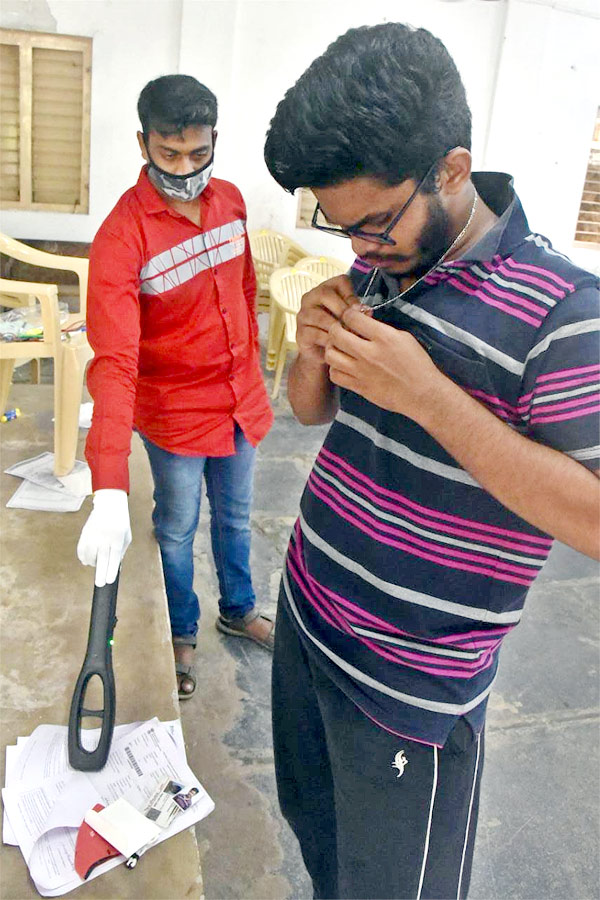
(70, 355)
(287, 287)
(324, 266)
(271, 250)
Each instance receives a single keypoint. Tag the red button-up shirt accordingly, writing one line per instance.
(172, 321)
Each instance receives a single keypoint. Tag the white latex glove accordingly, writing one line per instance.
(106, 535)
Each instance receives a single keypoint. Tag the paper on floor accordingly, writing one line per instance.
(78, 482)
(31, 496)
(43, 491)
(40, 470)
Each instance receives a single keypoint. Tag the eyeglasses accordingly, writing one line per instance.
(373, 237)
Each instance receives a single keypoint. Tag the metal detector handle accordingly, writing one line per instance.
(98, 661)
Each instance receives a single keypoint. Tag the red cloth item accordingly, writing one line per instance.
(91, 849)
(172, 321)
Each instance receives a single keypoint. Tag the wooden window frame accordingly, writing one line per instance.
(591, 174)
(26, 41)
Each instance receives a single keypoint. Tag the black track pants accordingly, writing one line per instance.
(376, 815)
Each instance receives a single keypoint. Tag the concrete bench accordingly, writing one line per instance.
(47, 601)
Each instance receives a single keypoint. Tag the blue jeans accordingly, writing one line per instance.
(177, 495)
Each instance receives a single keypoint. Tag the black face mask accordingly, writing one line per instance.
(180, 187)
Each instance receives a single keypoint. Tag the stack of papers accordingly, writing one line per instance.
(41, 490)
(45, 800)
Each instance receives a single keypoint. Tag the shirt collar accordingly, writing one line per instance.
(496, 190)
(153, 201)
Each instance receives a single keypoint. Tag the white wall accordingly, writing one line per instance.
(544, 108)
(531, 70)
(270, 44)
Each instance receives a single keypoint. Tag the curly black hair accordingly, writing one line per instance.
(384, 101)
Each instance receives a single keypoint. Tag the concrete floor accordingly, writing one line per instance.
(539, 821)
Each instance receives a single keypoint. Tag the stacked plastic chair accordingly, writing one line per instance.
(287, 287)
(271, 250)
(324, 266)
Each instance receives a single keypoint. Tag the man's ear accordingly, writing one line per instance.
(215, 135)
(455, 170)
(142, 144)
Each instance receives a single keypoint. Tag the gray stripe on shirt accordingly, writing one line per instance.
(184, 261)
(465, 337)
(489, 549)
(586, 327)
(450, 709)
(474, 613)
(584, 453)
(398, 449)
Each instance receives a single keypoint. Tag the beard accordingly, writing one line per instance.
(433, 242)
(435, 238)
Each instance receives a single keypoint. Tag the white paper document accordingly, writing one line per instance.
(45, 800)
(32, 496)
(41, 489)
(40, 470)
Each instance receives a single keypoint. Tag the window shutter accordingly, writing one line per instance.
(9, 123)
(57, 118)
(306, 207)
(588, 221)
(45, 121)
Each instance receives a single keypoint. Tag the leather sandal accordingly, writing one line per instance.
(189, 673)
(185, 670)
(239, 628)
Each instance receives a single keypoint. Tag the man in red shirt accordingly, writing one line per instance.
(172, 321)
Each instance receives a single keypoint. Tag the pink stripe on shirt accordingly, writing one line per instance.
(359, 513)
(515, 275)
(434, 513)
(543, 408)
(456, 639)
(587, 411)
(579, 370)
(488, 300)
(506, 295)
(452, 564)
(527, 267)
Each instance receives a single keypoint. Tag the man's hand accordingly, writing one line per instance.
(106, 535)
(321, 308)
(544, 486)
(383, 365)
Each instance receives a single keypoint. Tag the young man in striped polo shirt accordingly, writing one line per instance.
(459, 365)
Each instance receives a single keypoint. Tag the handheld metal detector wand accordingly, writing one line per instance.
(98, 661)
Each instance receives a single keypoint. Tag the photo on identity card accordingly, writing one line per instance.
(169, 800)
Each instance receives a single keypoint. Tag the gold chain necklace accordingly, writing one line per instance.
(366, 306)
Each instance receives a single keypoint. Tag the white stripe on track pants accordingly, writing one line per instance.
(365, 830)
